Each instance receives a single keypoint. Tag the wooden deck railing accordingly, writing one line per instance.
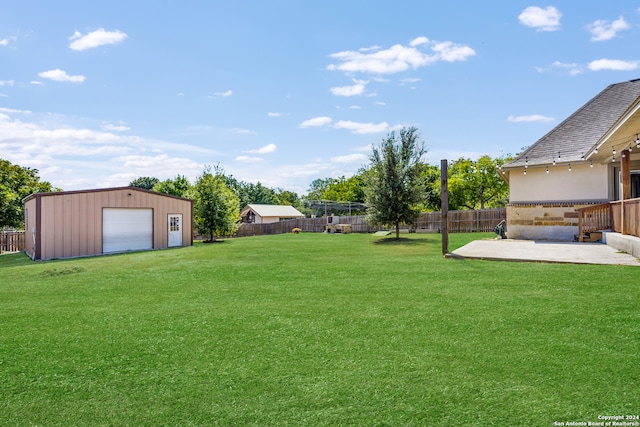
(621, 216)
(626, 216)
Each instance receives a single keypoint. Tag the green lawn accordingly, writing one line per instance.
(314, 330)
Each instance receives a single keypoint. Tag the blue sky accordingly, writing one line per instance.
(95, 94)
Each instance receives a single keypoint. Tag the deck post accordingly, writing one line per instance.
(580, 226)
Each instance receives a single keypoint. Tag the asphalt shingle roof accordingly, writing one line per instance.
(581, 131)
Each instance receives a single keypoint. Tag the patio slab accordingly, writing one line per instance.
(545, 251)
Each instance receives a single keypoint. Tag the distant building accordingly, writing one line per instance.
(265, 214)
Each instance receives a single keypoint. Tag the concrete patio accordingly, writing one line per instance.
(551, 251)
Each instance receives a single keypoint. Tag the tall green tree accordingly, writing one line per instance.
(249, 192)
(430, 174)
(144, 182)
(286, 197)
(477, 184)
(216, 206)
(394, 188)
(179, 186)
(16, 183)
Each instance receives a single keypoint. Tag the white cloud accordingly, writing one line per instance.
(419, 40)
(399, 58)
(365, 148)
(36, 83)
(574, 69)
(350, 158)
(530, 118)
(316, 122)
(240, 131)
(356, 89)
(8, 40)
(13, 111)
(613, 64)
(6, 82)
(249, 159)
(116, 128)
(269, 148)
(75, 158)
(274, 114)
(161, 166)
(452, 52)
(223, 94)
(547, 19)
(602, 30)
(362, 128)
(96, 38)
(61, 76)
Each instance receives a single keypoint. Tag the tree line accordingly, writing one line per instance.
(394, 188)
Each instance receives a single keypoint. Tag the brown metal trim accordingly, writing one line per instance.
(98, 190)
(38, 249)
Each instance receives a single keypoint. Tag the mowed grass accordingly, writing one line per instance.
(315, 329)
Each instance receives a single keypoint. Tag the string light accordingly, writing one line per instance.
(525, 171)
(613, 150)
(547, 169)
(526, 162)
(596, 150)
(591, 164)
(569, 167)
(637, 141)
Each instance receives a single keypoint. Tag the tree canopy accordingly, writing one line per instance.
(144, 182)
(394, 188)
(179, 186)
(216, 206)
(16, 183)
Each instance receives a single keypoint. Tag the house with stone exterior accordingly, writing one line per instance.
(592, 158)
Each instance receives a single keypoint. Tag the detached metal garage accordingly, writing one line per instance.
(93, 222)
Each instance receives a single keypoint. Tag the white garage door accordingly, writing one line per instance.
(126, 229)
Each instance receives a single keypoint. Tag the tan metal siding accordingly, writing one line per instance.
(71, 224)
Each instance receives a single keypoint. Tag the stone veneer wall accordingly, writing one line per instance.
(543, 221)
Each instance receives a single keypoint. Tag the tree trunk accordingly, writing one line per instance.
(397, 230)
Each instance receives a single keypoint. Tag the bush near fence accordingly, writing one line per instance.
(11, 241)
(459, 222)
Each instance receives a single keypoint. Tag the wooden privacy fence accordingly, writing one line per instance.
(11, 241)
(459, 222)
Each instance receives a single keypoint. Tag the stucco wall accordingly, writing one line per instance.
(582, 183)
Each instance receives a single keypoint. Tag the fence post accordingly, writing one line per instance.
(444, 195)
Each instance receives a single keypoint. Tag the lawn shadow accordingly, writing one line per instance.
(404, 241)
